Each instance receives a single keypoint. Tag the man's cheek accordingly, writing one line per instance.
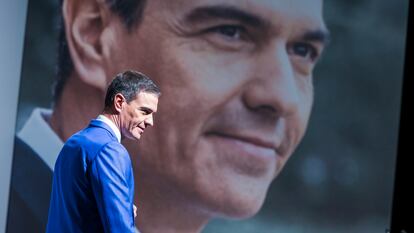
(135, 130)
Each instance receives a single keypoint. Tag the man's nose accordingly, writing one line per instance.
(149, 121)
(273, 89)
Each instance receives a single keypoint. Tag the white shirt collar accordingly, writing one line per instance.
(37, 134)
(112, 125)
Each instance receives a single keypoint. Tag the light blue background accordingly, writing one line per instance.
(12, 22)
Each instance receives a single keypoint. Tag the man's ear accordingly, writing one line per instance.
(119, 101)
(85, 22)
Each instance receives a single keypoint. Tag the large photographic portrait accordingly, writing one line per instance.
(276, 116)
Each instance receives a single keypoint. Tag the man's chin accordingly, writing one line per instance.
(239, 205)
(134, 137)
(240, 212)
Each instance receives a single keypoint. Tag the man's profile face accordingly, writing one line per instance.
(138, 114)
(237, 90)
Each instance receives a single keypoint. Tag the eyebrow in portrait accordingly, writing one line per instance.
(321, 36)
(209, 13)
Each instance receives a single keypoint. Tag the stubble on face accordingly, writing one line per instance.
(237, 93)
(138, 114)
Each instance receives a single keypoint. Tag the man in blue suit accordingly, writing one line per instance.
(93, 184)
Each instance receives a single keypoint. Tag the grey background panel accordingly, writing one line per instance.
(12, 23)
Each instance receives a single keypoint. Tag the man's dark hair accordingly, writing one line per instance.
(129, 83)
(130, 11)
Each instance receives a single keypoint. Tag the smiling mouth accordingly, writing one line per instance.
(245, 145)
(259, 142)
(140, 129)
(247, 156)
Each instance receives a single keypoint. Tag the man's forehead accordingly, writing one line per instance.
(147, 99)
(265, 8)
(147, 96)
(276, 13)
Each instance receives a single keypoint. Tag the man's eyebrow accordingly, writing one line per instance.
(319, 35)
(148, 110)
(206, 13)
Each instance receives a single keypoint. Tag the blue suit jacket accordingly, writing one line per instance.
(93, 184)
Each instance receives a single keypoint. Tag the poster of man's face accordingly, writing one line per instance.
(275, 116)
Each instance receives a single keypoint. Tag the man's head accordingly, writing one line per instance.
(237, 85)
(133, 98)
